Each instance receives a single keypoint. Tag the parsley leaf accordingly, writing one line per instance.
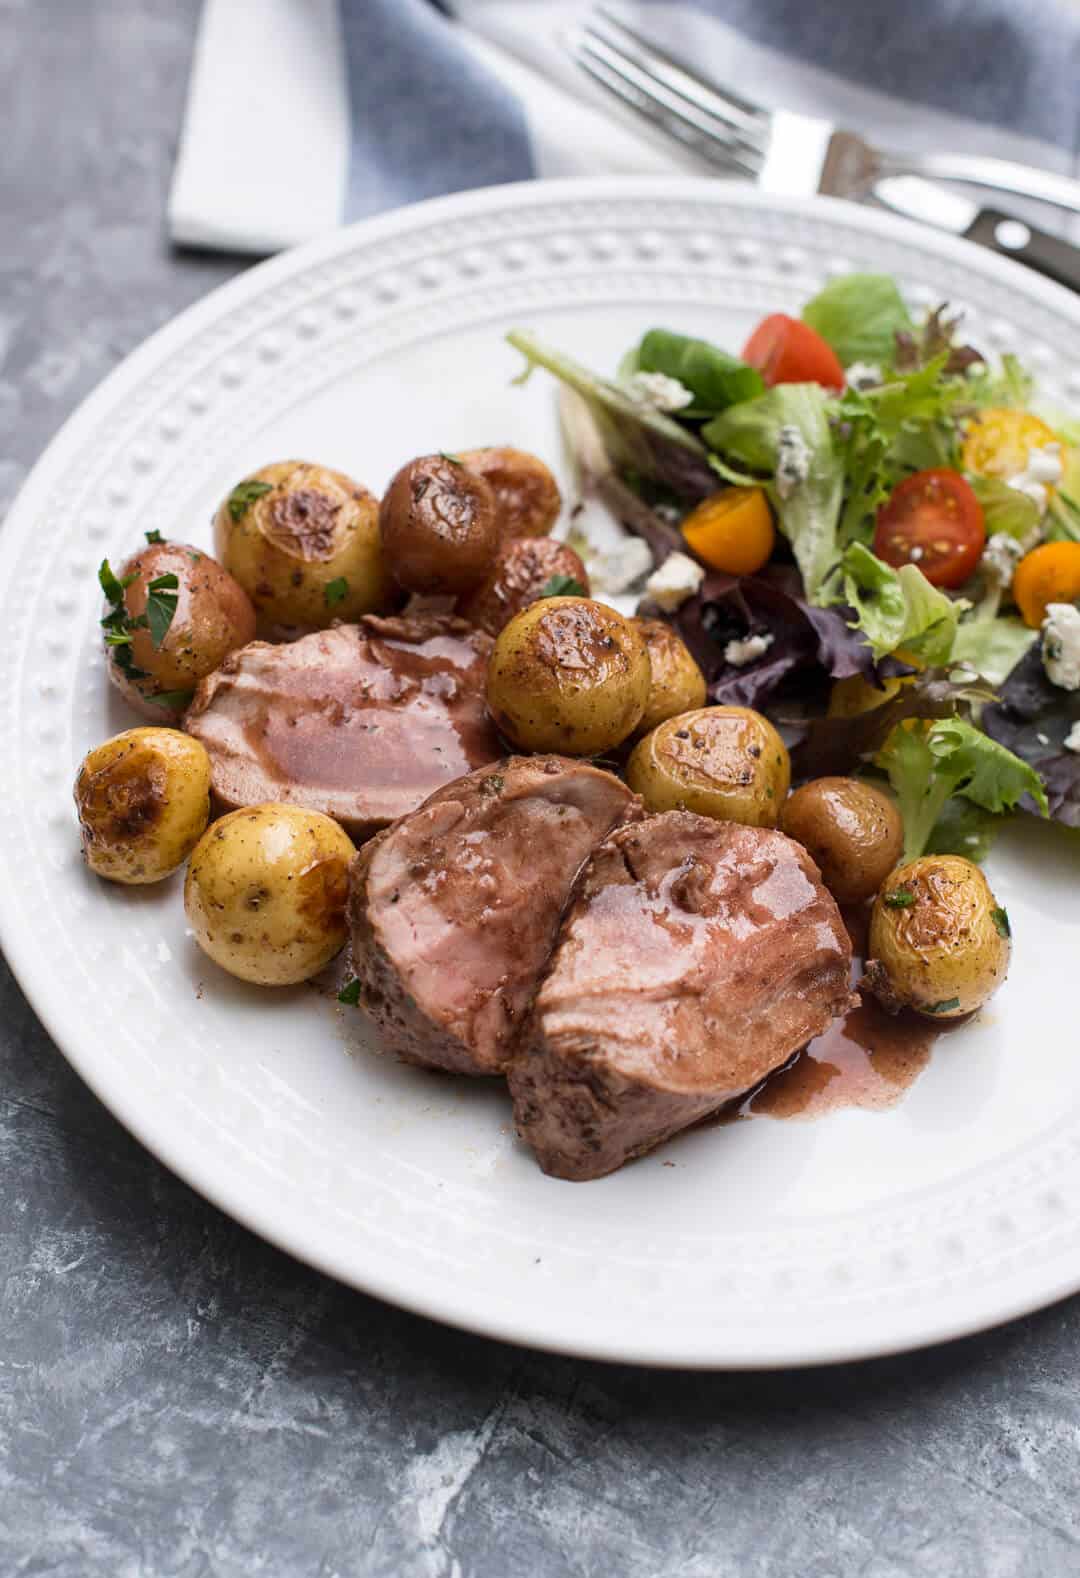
(562, 586)
(899, 899)
(335, 591)
(113, 587)
(154, 536)
(1000, 919)
(161, 599)
(175, 700)
(455, 460)
(350, 992)
(946, 1006)
(244, 495)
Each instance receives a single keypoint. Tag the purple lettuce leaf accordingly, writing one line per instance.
(1032, 718)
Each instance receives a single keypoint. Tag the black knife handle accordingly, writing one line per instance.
(1015, 238)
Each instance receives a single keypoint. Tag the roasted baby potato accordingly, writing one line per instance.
(724, 762)
(523, 568)
(439, 526)
(939, 940)
(143, 800)
(851, 829)
(265, 893)
(677, 684)
(303, 542)
(569, 675)
(527, 497)
(197, 615)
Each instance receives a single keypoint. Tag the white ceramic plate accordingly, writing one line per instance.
(767, 1243)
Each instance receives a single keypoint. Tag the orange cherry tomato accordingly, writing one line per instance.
(999, 440)
(787, 351)
(1048, 574)
(933, 520)
(732, 530)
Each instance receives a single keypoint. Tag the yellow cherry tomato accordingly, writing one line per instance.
(1048, 574)
(732, 530)
(849, 697)
(999, 439)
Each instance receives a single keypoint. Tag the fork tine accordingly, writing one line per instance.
(657, 104)
(721, 102)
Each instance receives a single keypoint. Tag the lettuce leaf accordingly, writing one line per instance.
(964, 828)
(1010, 384)
(993, 647)
(714, 378)
(860, 316)
(635, 437)
(749, 435)
(899, 608)
(1004, 509)
(926, 765)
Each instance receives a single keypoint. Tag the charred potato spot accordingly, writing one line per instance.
(293, 530)
(143, 801)
(725, 762)
(213, 617)
(852, 830)
(527, 497)
(568, 674)
(677, 685)
(939, 941)
(438, 525)
(266, 891)
(521, 570)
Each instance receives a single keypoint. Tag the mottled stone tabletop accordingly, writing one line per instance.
(178, 1398)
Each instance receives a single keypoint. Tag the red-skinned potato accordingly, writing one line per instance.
(439, 526)
(527, 497)
(523, 568)
(212, 616)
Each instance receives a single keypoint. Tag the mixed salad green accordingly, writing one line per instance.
(867, 531)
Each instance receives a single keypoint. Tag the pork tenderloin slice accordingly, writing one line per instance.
(695, 957)
(455, 908)
(360, 721)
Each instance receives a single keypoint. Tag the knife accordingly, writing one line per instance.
(1002, 233)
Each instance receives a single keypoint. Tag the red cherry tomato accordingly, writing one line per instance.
(934, 520)
(787, 351)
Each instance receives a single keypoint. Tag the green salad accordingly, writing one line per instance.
(867, 531)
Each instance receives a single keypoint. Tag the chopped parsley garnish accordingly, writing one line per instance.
(493, 784)
(154, 536)
(350, 992)
(455, 460)
(118, 623)
(1000, 919)
(244, 495)
(113, 588)
(946, 1006)
(161, 599)
(335, 591)
(899, 899)
(562, 586)
(175, 700)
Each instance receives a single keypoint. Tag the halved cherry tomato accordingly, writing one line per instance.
(787, 351)
(999, 440)
(934, 520)
(732, 530)
(1048, 574)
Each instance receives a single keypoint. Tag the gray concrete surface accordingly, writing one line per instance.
(176, 1398)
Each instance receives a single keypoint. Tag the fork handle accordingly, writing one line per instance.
(1014, 238)
(1002, 175)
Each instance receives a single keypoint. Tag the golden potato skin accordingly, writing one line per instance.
(439, 526)
(265, 893)
(570, 675)
(213, 617)
(678, 685)
(853, 831)
(939, 941)
(725, 762)
(143, 800)
(527, 497)
(522, 568)
(310, 528)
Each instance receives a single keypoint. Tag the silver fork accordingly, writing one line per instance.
(799, 154)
